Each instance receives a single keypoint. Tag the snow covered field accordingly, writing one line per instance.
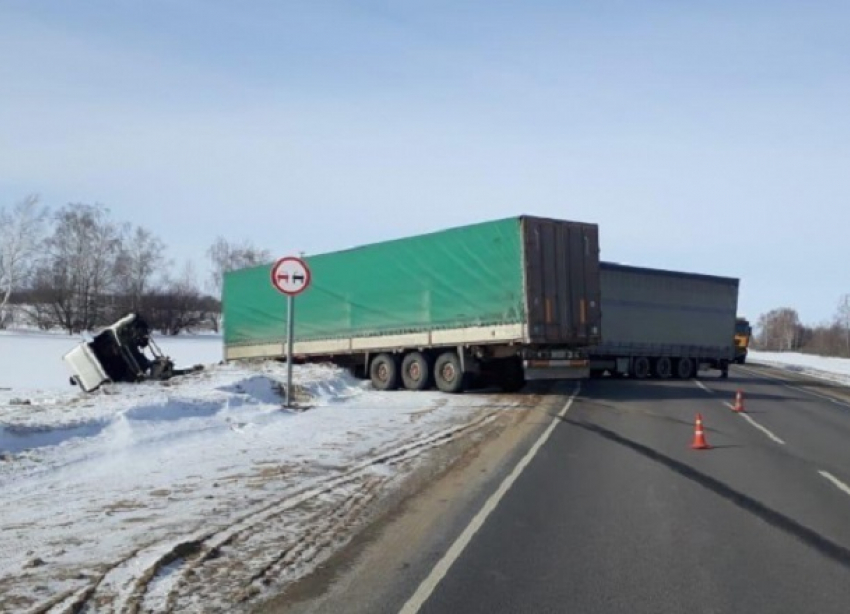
(831, 369)
(199, 494)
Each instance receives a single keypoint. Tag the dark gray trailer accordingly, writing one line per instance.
(658, 323)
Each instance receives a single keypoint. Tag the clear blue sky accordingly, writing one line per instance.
(712, 137)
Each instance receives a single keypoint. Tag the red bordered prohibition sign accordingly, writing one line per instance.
(290, 276)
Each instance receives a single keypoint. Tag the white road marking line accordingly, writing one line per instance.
(838, 483)
(701, 385)
(756, 424)
(762, 429)
(429, 584)
(745, 416)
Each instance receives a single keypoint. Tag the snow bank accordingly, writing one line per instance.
(200, 492)
(821, 367)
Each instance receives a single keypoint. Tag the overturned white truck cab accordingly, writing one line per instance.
(122, 352)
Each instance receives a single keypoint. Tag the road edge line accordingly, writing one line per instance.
(811, 393)
(439, 571)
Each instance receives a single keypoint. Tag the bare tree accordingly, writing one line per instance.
(80, 272)
(21, 232)
(781, 330)
(37, 306)
(225, 256)
(825, 339)
(141, 259)
(180, 305)
(842, 318)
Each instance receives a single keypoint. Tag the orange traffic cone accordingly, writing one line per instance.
(739, 402)
(699, 436)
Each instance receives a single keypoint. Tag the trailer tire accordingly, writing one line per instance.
(662, 368)
(384, 372)
(416, 371)
(448, 374)
(684, 368)
(641, 367)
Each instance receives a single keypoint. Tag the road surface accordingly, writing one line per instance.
(613, 512)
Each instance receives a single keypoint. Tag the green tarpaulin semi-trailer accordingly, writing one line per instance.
(497, 302)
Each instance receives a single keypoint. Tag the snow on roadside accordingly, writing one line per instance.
(194, 491)
(822, 367)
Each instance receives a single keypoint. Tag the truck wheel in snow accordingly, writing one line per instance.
(384, 372)
(684, 368)
(415, 371)
(448, 374)
(663, 368)
(640, 367)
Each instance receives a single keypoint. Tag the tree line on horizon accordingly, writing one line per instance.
(76, 269)
(780, 330)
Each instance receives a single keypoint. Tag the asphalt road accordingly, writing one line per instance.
(615, 512)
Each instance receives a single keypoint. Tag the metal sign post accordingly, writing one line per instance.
(290, 276)
(290, 337)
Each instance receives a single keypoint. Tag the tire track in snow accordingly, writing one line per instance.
(321, 534)
(155, 573)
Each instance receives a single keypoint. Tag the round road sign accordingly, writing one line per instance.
(290, 275)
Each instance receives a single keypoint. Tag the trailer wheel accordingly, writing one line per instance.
(415, 371)
(641, 367)
(384, 372)
(663, 368)
(448, 374)
(684, 368)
